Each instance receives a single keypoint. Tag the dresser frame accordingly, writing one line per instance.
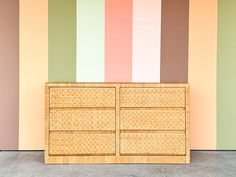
(117, 158)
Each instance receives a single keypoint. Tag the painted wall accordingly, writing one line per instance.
(226, 80)
(202, 73)
(33, 72)
(117, 40)
(9, 74)
(62, 40)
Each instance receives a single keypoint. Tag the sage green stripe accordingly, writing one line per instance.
(90, 40)
(226, 86)
(62, 40)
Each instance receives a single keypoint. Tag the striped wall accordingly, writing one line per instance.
(117, 40)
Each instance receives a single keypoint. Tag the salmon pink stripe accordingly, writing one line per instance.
(118, 40)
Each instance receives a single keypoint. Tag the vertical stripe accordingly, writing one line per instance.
(146, 40)
(33, 72)
(118, 40)
(202, 73)
(9, 74)
(90, 40)
(174, 41)
(62, 40)
(226, 83)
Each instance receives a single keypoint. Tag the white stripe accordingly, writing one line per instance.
(90, 41)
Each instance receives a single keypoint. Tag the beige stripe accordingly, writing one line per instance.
(33, 72)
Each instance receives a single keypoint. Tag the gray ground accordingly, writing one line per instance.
(203, 164)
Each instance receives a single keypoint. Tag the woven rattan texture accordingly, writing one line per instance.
(80, 119)
(153, 119)
(81, 143)
(117, 123)
(82, 97)
(164, 143)
(152, 97)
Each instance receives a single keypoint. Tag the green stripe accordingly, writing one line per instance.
(226, 75)
(62, 40)
(90, 40)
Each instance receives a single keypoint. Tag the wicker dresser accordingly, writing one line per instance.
(117, 123)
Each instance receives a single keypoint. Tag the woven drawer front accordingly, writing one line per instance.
(152, 97)
(152, 143)
(82, 97)
(158, 119)
(81, 144)
(77, 119)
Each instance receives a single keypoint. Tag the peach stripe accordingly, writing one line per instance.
(202, 73)
(33, 72)
(118, 40)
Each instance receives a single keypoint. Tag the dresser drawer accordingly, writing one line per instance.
(82, 97)
(152, 97)
(165, 143)
(80, 119)
(62, 143)
(158, 119)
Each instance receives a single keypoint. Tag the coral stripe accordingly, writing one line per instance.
(118, 40)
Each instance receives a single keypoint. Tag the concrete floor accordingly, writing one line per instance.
(203, 164)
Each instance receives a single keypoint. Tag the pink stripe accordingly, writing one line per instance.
(146, 40)
(118, 40)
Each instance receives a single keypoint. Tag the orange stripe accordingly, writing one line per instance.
(118, 40)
